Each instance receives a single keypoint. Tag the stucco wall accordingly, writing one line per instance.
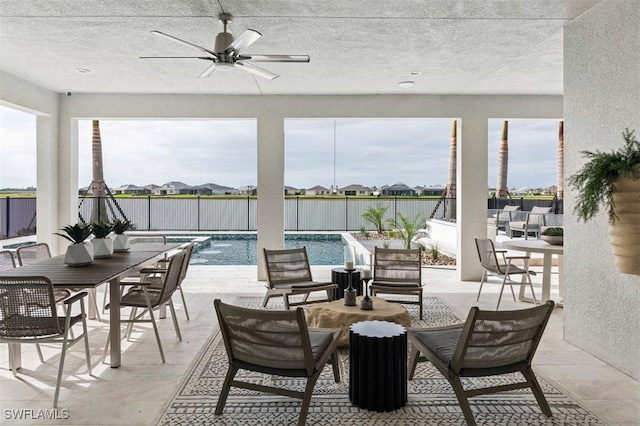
(602, 97)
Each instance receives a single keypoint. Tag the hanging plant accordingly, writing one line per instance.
(596, 181)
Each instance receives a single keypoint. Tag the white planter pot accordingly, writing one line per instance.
(121, 243)
(102, 247)
(79, 254)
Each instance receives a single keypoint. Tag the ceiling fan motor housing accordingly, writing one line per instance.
(223, 40)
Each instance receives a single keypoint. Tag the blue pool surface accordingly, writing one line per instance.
(241, 249)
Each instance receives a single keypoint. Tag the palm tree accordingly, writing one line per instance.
(406, 228)
(502, 190)
(98, 186)
(375, 216)
(450, 190)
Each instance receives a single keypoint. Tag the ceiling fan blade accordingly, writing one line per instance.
(274, 58)
(256, 70)
(245, 40)
(208, 58)
(186, 43)
(208, 71)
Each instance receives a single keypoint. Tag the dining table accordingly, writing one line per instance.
(548, 251)
(104, 270)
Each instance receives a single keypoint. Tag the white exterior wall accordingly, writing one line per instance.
(602, 97)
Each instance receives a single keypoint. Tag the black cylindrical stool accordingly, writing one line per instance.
(341, 277)
(378, 365)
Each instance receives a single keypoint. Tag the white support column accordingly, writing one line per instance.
(67, 177)
(270, 187)
(472, 178)
(47, 180)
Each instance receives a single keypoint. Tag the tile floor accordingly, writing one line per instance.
(136, 393)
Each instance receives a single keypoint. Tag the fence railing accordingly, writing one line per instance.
(18, 215)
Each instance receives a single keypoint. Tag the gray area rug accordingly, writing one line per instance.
(431, 400)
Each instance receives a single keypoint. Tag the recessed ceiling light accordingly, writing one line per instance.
(406, 84)
(415, 72)
(83, 70)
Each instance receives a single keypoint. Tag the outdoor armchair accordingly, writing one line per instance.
(289, 274)
(531, 223)
(28, 314)
(399, 272)
(275, 343)
(489, 343)
(501, 218)
(488, 256)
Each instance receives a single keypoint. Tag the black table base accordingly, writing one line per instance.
(340, 276)
(378, 365)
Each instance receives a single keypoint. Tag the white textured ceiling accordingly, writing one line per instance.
(356, 46)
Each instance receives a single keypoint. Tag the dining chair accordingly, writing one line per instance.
(274, 343)
(28, 314)
(38, 252)
(398, 272)
(143, 296)
(504, 269)
(289, 274)
(488, 343)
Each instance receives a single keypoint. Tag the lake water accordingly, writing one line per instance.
(241, 249)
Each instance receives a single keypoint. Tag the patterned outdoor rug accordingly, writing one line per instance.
(431, 400)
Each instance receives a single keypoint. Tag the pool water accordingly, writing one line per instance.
(241, 249)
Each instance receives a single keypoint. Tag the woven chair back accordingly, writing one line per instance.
(33, 253)
(287, 266)
(493, 339)
(172, 278)
(401, 266)
(271, 339)
(188, 251)
(27, 308)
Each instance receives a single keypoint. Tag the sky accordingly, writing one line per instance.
(317, 152)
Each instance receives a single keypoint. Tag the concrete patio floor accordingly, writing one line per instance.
(136, 392)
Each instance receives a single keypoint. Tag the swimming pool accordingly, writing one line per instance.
(241, 249)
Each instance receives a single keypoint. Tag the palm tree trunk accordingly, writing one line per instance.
(99, 209)
(560, 192)
(502, 190)
(450, 190)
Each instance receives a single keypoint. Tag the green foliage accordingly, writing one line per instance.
(375, 216)
(101, 230)
(433, 251)
(596, 181)
(554, 232)
(365, 233)
(406, 228)
(120, 226)
(76, 233)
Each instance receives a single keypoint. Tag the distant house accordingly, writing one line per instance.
(430, 190)
(174, 188)
(151, 187)
(355, 189)
(399, 189)
(214, 189)
(290, 190)
(248, 190)
(318, 190)
(130, 189)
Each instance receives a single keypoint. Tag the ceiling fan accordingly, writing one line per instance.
(227, 52)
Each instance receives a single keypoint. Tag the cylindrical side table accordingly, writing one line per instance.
(341, 276)
(378, 365)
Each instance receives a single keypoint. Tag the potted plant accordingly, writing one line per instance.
(553, 235)
(80, 252)
(121, 240)
(102, 244)
(612, 180)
